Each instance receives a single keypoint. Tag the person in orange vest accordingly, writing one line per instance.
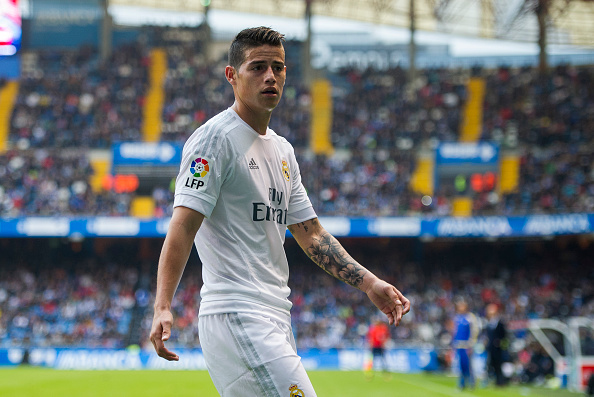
(377, 336)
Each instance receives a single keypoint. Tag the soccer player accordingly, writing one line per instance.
(237, 191)
(465, 336)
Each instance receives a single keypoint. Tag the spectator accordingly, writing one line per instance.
(496, 343)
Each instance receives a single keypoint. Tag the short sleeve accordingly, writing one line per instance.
(299, 204)
(200, 178)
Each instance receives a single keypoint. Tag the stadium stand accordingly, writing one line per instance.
(71, 107)
(70, 99)
(99, 292)
(381, 126)
(52, 183)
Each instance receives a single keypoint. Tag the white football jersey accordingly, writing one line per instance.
(249, 189)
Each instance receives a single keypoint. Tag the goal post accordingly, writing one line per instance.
(575, 366)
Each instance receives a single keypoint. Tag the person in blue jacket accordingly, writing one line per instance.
(465, 336)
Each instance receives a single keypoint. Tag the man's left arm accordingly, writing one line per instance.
(329, 254)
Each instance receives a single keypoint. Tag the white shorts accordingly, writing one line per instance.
(252, 355)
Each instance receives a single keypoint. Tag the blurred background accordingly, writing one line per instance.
(447, 143)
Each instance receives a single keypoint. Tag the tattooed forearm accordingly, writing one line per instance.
(327, 253)
(304, 225)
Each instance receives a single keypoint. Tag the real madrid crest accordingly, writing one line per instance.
(296, 392)
(286, 172)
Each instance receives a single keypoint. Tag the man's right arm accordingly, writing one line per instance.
(176, 249)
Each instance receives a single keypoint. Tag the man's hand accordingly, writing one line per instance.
(160, 332)
(389, 300)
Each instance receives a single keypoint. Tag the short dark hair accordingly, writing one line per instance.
(250, 38)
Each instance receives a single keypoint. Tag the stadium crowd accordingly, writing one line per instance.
(52, 182)
(71, 99)
(79, 295)
(539, 110)
(91, 307)
(555, 179)
(550, 120)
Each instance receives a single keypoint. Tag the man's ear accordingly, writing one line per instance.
(230, 74)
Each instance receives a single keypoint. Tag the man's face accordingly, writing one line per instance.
(260, 79)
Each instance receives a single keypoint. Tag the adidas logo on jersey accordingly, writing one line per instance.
(253, 165)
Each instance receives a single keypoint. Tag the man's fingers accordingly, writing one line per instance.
(166, 332)
(162, 351)
(156, 340)
(155, 335)
(160, 334)
(405, 305)
(405, 302)
(390, 318)
(397, 312)
(167, 354)
(392, 302)
(402, 305)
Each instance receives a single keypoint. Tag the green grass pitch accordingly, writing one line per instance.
(23, 381)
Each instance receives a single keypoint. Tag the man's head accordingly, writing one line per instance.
(492, 310)
(250, 38)
(461, 306)
(257, 72)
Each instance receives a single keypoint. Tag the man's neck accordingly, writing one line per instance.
(259, 122)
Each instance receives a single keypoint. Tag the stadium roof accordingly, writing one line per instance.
(571, 21)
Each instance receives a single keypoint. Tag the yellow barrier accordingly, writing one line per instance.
(321, 117)
(462, 206)
(510, 174)
(142, 207)
(8, 95)
(153, 106)
(422, 178)
(472, 125)
(100, 170)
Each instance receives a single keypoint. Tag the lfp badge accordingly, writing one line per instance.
(199, 168)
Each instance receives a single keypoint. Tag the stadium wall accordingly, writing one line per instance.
(399, 360)
(487, 227)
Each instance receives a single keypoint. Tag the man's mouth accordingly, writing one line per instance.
(270, 91)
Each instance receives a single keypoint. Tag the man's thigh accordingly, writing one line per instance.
(251, 355)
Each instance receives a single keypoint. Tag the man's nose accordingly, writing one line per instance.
(270, 77)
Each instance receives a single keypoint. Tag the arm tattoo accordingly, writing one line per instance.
(304, 226)
(328, 254)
